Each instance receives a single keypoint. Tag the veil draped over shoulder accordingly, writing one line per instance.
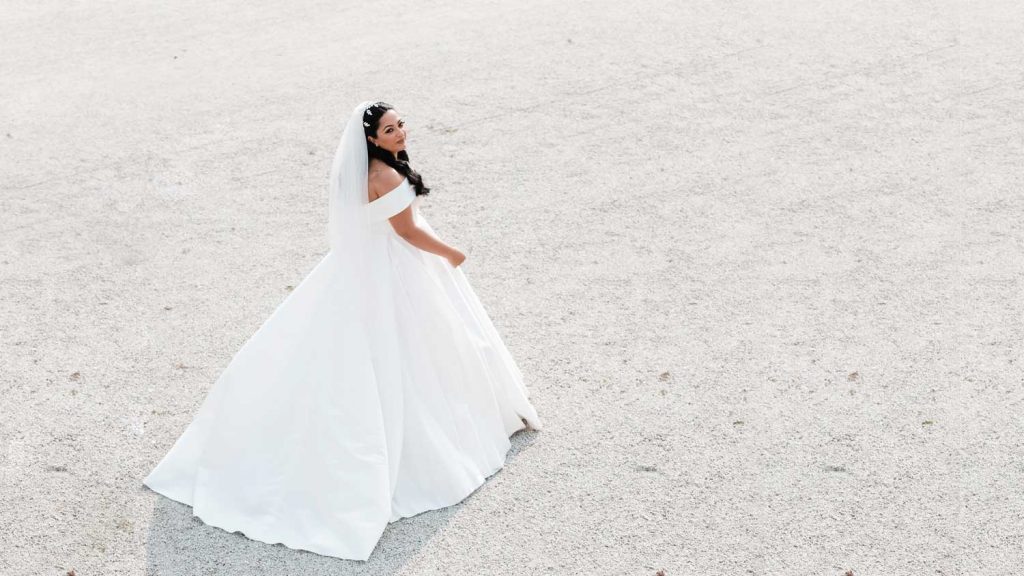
(349, 225)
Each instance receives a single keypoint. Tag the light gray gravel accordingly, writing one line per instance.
(760, 262)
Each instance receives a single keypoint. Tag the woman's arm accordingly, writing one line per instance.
(420, 238)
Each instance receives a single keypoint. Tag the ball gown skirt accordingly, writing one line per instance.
(322, 430)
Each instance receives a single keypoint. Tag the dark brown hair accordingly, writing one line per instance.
(371, 121)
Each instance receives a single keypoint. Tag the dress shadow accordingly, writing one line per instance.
(180, 543)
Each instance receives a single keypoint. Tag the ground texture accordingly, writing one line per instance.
(760, 263)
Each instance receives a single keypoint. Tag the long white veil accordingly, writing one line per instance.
(349, 225)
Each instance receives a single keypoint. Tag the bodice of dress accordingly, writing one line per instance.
(391, 203)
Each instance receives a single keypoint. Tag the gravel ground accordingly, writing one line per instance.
(760, 263)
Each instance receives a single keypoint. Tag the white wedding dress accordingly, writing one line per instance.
(321, 430)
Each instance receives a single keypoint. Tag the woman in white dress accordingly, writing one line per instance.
(377, 390)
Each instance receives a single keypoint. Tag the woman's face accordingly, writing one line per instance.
(390, 132)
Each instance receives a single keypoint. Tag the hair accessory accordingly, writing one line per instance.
(367, 124)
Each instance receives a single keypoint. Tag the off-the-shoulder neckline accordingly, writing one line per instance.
(382, 196)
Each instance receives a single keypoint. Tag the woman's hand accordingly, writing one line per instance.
(455, 258)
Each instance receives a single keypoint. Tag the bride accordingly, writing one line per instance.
(377, 390)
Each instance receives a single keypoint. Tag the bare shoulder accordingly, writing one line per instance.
(381, 180)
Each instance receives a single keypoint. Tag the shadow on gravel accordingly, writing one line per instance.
(181, 544)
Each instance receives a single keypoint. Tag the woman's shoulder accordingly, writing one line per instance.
(382, 180)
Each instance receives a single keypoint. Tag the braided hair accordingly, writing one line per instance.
(371, 121)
